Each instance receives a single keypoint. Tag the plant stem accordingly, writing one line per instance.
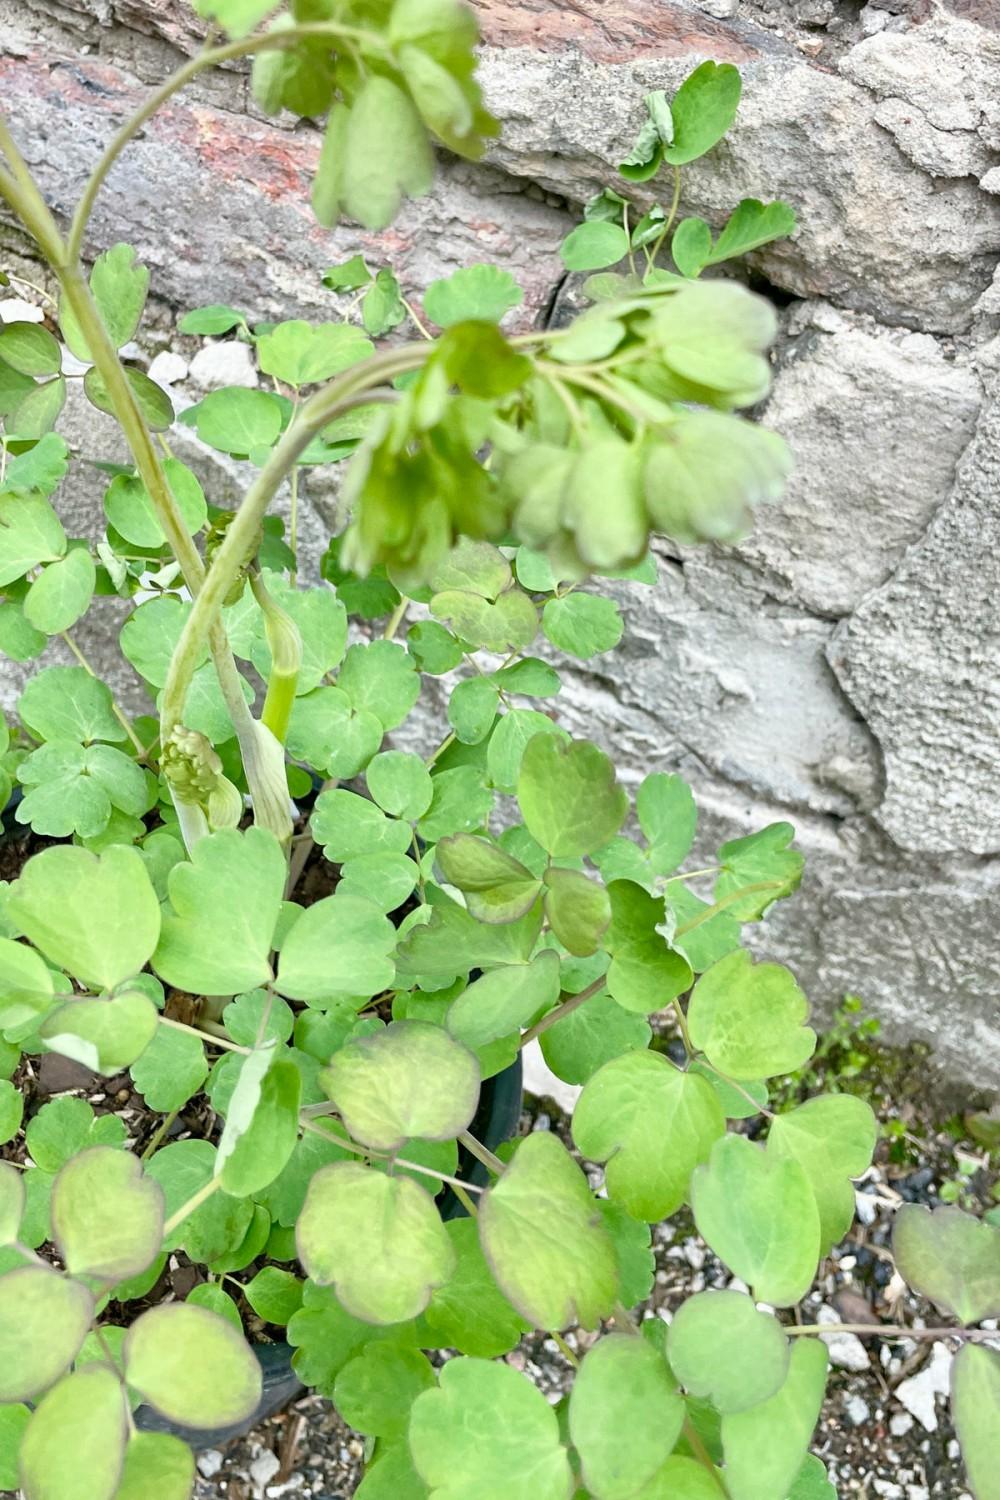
(702, 1454)
(459, 1189)
(395, 619)
(195, 1201)
(448, 740)
(306, 1121)
(481, 1153)
(159, 1133)
(564, 1349)
(890, 1331)
(355, 387)
(727, 901)
(683, 1026)
(624, 1319)
(203, 1036)
(692, 874)
(564, 1009)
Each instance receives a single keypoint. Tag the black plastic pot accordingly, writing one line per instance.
(495, 1121)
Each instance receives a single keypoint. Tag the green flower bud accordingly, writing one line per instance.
(191, 766)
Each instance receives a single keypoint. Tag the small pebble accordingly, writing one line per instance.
(900, 1424)
(857, 1410)
(209, 1462)
(223, 364)
(168, 368)
(264, 1468)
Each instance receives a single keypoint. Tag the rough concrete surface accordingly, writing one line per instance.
(840, 667)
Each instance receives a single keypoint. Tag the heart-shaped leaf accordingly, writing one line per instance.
(504, 1000)
(569, 799)
(747, 1018)
(375, 1391)
(44, 1318)
(377, 1240)
(766, 1445)
(832, 1137)
(157, 1464)
(722, 1349)
(74, 1446)
(510, 623)
(192, 1366)
(104, 1035)
(975, 1406)
(340, 945)
(262, 1123)
(758, 1212)
(107, 1215)
(578, 910)
(409, 1079)
(951, 1257)
(544, 1241)
(625, 1415)
(469, 1312)
(761, 859)
(487, 1431)
(627, 1111)
(496, 886)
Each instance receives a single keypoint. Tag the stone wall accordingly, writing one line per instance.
(841, 668)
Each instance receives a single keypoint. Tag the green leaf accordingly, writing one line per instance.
(703, 109)
(39, 469)
(18, 640)
(592, 246)
(67, 703)
(669, 818)
(153, 402)
(274, 1295)
(347, 826)
(568, 796)
(13, 1421)
(765, 1446)
(758, 1213)
(119, 285)
(384, 880)
(761, 858)
(65, 1126)
(171, 1070)
(43, 1320)
(74, 789)
(832, 1137)
(375, 1391)
(625, 1113)
(12, 1194)
(220, 1224)
(645, 972)
(238, 17)
(107, 1217)
(301, 353)
(349, 276)
(410, 1079)
(747, 1018)
(497, 887)
(378, 1240)
(691, 246)
(578, 910)
(95, 915)
(509, 740)
(192, 1366)
(386, 154)
(812, 1483)
(74, 1445)
(725, 1351)
(950, 1257)
(382, 678)
(236, 420)
(707, 473)
(382, 306)
(30, 349)
(582, 624)
(26, 984)
(130, 510)
(975, 1406)
(486, 1431)
(216, 318)
(38, 413)
(547, 1248)
(625, 1415)
(30, 533)
(327, 733)
(400, 783)
(433, 648)
(258, 1017)
(342, 944)
(703, 939)
(481, 291)
(262, 1123)
(510, 623)
(469, 1312)
(104, 1035)
(472, 709)
(504, 1000)
(738, 1101)
(157, 1464)
(750, 225)
(452, 942)
(599, 1030)
(459, 803)
(211, 1296)
(226, 903)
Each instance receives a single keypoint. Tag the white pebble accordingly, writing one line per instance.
(846, 1350)
(918, 1393)
(16, 310)
(858, 1410)
(209, 1463)
(263, 1469)
(223, 364)
(168, 368)
(900, 1424)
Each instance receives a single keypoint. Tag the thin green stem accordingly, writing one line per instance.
(682, 1025)
(355, 387)
(158, 1134)
(889, 1331)
(725, 903)
(203, 1036)
(459, 1189)
(564, 1349)
(671, 216)
(702, 1454)
(195, 1201)
(481, 1153)
(395, 619)
(423, 331)
(693, 874)
(212, 57)
(566, 1008)
(445, 744)
(624, 1319)
(307, 1119)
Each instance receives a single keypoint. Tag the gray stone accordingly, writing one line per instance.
(855, 402)
(846, 1350)
(919, 659)
(918, 1393)
(167, 368)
